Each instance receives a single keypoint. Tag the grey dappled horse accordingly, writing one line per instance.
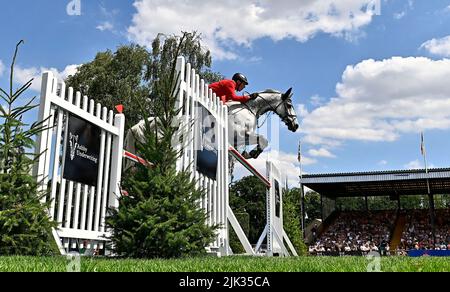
(242, 121)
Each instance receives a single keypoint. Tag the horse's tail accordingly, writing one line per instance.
(130, 146)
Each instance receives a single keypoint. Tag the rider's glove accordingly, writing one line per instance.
(253, 96)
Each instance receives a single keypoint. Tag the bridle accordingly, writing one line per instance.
(288, 118)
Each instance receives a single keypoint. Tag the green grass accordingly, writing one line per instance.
(230, 264)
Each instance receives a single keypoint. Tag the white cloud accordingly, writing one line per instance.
(322, 152)
(108, 13)
(439, 47)
(228, 23)
(106, 21)
(255, 59)
(399, 15)
(382, 162)
(447, 9)
(23, 75)
(380, 100)
(2, 68)
(407, 7)
(105, 26)
(317, 100)
(301, 110)
(286, 162)
(416, 164)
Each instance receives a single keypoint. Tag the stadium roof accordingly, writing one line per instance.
(381, 183)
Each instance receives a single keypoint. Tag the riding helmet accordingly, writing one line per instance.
(240, 77)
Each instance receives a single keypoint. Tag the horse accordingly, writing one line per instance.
(242, 121)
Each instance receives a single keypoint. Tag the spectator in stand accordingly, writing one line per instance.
(359, 232)
(418, 232)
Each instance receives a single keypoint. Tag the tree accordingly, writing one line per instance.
(116, 78)
(312, 204)
(165, 49)
(249, 196)
(312, 207)
(292, 219)
(160, 217)
(25, 226)
(128, 76)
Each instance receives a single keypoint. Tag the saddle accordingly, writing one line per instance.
(232, 103)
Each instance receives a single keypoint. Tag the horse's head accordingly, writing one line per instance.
(277, 102)
(281, 104)
(286, 111)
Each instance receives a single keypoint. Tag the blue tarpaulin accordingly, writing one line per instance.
(431, 253)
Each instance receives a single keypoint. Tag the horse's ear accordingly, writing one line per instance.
(288, 94)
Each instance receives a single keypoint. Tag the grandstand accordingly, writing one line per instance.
(397, 231)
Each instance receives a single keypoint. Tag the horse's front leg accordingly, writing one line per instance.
(262, 144)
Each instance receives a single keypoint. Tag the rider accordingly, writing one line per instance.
(225, 89)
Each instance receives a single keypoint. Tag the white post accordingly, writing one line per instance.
(116, 162)
(226, 193)
(269, 211)
(180, 69)
(39, 170)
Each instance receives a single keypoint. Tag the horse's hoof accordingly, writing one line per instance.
(246, 155)
(255, 153)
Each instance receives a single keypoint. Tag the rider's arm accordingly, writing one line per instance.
(231, 93)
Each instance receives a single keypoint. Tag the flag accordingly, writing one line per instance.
(119, 108)
(299, 158)
(422, 144)
(422, 149)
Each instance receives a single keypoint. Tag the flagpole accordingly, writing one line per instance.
(302, 195)
(424, 154)
(430, 196)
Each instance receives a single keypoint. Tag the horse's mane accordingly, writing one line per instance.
(270, 91)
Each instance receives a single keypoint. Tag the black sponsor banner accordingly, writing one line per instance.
(207, 153)
(277, 199)
(83, 151)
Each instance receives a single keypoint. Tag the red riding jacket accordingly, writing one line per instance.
(226, 90)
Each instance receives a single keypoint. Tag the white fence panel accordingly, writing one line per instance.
(73, 205)
(194, 93)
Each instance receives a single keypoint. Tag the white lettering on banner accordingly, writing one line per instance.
(79, 150)
(88, 157)
(82, 148)
(73, 143)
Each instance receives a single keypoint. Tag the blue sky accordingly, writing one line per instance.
(365, 84)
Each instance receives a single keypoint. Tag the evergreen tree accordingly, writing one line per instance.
(25, 226)
(161, 216)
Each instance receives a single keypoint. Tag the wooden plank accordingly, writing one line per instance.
(106, 174)
(104, 117)
(56, 161)
(71, 183)
(248, 166)
(90, 214)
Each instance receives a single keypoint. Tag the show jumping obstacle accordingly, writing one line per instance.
(81, 208)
